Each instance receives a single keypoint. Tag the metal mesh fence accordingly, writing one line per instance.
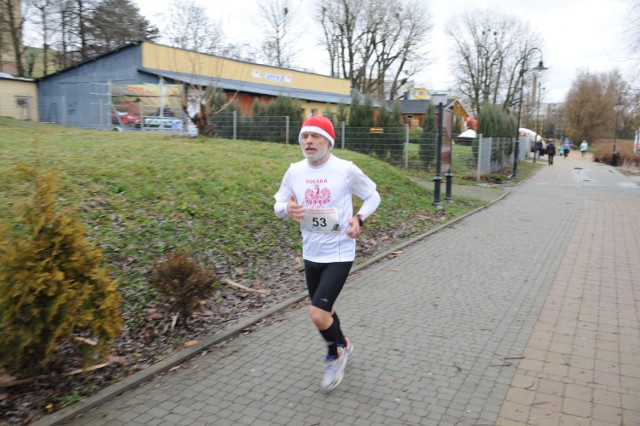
(394, 145)
(266, 129)
(101, 114)
(386, 144)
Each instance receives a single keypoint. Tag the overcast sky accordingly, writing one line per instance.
(579, 35)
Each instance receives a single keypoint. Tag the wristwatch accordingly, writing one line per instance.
(360, 220)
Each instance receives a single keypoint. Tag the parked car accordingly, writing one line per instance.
(125, 114)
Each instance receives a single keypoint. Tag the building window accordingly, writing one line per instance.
(24, 107)
(22, 101)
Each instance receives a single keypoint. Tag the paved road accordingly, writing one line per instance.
(526, 312)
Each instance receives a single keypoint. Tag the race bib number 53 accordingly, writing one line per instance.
(321, 220)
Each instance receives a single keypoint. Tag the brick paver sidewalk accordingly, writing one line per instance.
(582, 363)
(525, 312)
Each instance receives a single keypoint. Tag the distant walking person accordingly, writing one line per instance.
(566, 147)
(317, 193)
(551, 151)
(583, 148)
(539, 150)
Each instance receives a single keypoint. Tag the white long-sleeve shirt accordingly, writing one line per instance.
(326, 194)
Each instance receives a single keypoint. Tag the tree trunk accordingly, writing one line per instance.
(15, 22)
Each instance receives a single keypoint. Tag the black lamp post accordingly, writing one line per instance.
(523, 70)
(614, 155)
(539, 131)
(437, 179)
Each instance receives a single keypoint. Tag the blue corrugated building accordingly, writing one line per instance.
(81, 95)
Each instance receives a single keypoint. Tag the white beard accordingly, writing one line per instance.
(317, 157)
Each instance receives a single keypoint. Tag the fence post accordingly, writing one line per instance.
(449, 177)
(287, 131)
(235, 124)
(479, 136)
(64, 110)
(343, 131)
(100, 118)
(406, 147)
(141, 108)
(437, 180)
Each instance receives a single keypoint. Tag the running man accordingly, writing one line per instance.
(317, 193)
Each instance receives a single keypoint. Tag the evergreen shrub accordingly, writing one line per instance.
(429, 141)
(53, 287)
(494, 122)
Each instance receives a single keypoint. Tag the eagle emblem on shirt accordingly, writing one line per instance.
(317, 197)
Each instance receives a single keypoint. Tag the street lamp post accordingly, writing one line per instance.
(538, 129)
(523, 70)
(516, 152)
(614, 155)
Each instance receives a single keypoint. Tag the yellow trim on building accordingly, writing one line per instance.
(183, 61)
(420, 93)
(310, 109)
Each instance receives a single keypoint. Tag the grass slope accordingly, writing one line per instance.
(143, 195)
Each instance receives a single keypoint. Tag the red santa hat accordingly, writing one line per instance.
(321, 125)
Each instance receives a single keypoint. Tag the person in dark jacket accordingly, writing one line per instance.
(551, 151)
(539, 152)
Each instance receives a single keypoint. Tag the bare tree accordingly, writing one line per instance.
(589, 105)
(373, 43)
(42, 19)
(57, 26)
(62, 27)
(187, 26)
(11, 29)
(632, 36)
(77, 30)
(202, 103)
(70, 29)
(490, 56)
(632, 24)
(330, 37)
(239, 51)
(82, 13)
(276, 19)
(339, 19)
(399, 52)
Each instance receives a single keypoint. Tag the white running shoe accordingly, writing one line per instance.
(334, 369)
(333, 374)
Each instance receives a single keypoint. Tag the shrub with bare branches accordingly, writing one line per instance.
(182, 283)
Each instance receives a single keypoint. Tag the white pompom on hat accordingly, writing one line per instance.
(321, 125)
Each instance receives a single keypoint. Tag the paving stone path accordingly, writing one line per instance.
(526, 312)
